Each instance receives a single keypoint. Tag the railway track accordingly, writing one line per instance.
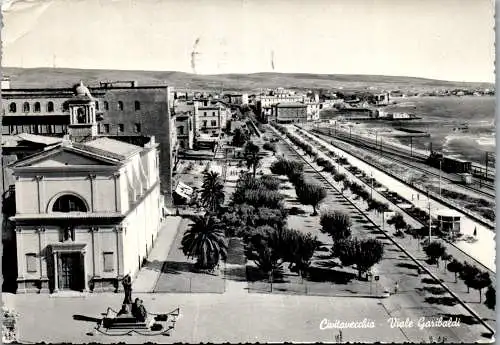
(379, 146)
(406, 163)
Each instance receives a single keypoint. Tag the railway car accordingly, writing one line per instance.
(449, 164)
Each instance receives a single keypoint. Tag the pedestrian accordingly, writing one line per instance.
(418, 196)
(475, 231)
(396, 285)
(412, 196)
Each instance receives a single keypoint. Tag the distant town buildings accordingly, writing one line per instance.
(290, 112)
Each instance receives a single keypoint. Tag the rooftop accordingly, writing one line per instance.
(291, 105)
(115, 147)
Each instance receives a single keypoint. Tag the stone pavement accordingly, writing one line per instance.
(225, 318)
(149, 274)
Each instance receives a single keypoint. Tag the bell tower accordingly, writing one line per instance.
(83, 122)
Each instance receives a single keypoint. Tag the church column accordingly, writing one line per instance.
(85, 276)
(95, 259)
(116, 177)
(55, 259)
(44, 281)
(21, 261)
(39, 189)
(92, 178)
(119, 230)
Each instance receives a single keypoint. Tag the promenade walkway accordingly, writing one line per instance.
(150, 272)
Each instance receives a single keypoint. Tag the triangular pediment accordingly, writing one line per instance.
(63, 157)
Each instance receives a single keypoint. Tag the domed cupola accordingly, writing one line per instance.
(82, 91)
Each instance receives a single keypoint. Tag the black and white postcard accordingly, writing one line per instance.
(234, 171)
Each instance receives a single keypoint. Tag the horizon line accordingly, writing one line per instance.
(250, 73)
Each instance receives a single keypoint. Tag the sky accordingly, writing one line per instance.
(438, 39)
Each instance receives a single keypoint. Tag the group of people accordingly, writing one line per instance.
(139, 311)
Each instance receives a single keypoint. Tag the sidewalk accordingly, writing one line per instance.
(149, 273)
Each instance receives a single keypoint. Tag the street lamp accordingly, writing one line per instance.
(371, 191)
(430, 218)
(440, 163)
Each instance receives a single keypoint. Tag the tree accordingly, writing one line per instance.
(205, 241)
(239, 137)
(310, 194)
(480, 281)
(300, 250)
(265, 247)
(252, 156)
(434, 251)
(455, 266)
(491, 298)
(270, 182)
(446, 257)
(336, 224)
(468, 275)
(363, 253)
(398, 221)
(212, 191)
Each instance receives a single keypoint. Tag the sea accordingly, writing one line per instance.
(462, 127)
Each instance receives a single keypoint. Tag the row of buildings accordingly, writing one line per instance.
(87, 174)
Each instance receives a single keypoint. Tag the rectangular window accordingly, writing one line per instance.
(137, 128)
(205, 123)
(204, 113)
(180, 130)
(109, 265)
(121, 128)
(99, 128)
(214, 123)
(31, 266)
(106, 128)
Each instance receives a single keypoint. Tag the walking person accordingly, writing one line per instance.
(396, 286)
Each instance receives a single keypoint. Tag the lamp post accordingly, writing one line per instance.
(430, 218)
(440, 162)
(371, 180)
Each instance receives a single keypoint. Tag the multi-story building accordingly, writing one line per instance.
(184, 117)
(237, 99)
(211, 117)
(122, 109)
(290, 112)
(86, 213)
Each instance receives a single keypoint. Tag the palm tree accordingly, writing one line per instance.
(252, 156)
(205, 241)
(212, 191)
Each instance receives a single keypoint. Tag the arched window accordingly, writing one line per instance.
(50, 107)
(80, 116)
(13, 107)
(69, 203)
(26, 107)
(106, 105)
(137, 105)
(37, 107)
(96, 105)
(120, 105)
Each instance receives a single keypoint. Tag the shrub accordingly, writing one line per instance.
(336, 224)
(310, 194)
